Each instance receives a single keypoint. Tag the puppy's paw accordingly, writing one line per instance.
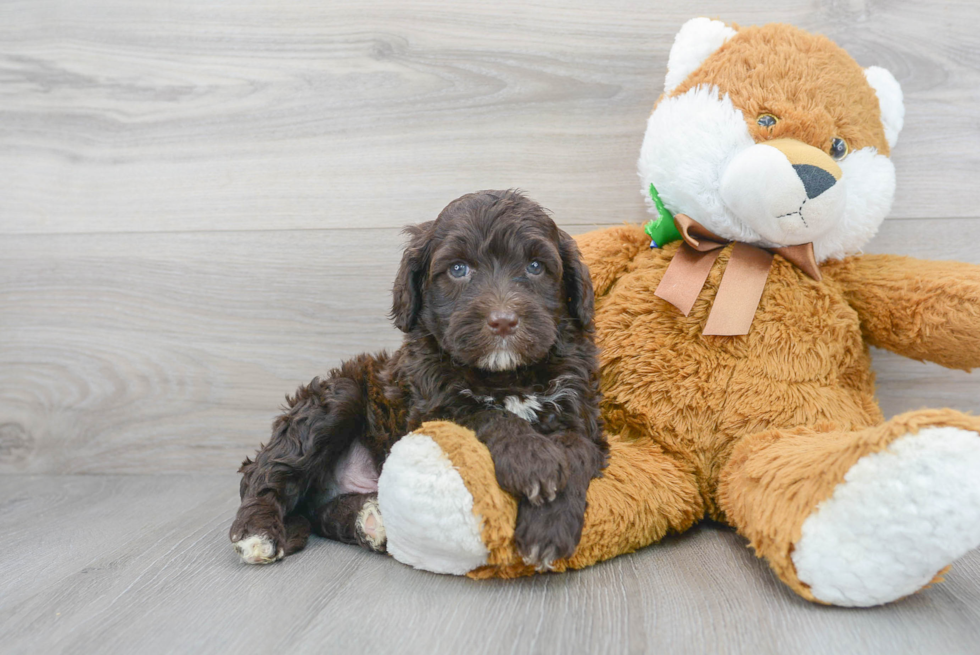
(538, 474)
(258, 537)
(370, 527)
(546, 533)
(258, 549)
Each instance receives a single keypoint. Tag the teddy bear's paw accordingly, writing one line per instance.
(899, 517)
(427, 509)
(258, 549)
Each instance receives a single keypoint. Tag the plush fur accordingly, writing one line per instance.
(865, 521)
(497, 309)
(776, 432)
(696, 40)
(701, 130)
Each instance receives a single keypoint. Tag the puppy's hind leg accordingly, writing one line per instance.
(352, 519)
(321, 422)
(350, 512)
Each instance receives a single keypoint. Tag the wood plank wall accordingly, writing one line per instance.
(200, 202)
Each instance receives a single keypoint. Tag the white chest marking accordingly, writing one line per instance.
(527, 408)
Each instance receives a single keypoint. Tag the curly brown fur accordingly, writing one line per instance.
(496, 306)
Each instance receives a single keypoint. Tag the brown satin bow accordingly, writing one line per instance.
(741, 284)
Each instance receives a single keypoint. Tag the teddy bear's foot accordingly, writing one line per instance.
(897, 520)
(428, 511)
(445, 512)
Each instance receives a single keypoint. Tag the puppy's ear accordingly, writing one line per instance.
(407, 291)
(577, 282)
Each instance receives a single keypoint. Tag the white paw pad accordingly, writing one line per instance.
(371, 527)
(899, 517)
(258, 549)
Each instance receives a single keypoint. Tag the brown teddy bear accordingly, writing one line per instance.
(736, 372)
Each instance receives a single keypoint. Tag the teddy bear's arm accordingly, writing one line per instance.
(608, 253)
(925, 310)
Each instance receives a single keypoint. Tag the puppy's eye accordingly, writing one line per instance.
(838, 149)
(767, 120)
(535, 268)
(458, 270)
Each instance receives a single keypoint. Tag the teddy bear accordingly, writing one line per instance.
(734, 335)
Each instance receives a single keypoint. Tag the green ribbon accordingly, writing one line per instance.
(661, 230)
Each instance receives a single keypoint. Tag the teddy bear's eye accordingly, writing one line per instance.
(838, 149)
(767, 120)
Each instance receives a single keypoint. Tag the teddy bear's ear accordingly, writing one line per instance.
(696, 40)
(889, 94)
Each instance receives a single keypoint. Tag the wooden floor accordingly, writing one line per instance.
(200, 207)
(139, 564)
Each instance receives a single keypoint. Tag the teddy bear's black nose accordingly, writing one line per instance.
(815, 179)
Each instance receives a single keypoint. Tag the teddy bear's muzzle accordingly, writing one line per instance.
(787, 191)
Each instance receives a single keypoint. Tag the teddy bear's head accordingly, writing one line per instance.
(773, 136)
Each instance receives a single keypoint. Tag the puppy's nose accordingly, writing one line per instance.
(502, 322)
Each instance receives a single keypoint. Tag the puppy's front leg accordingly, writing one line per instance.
(528, 465)
(551, 531)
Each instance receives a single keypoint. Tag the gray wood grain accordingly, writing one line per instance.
(131, 353)
(199, 206)
(173, 352)
(129, 115)
(124, 564)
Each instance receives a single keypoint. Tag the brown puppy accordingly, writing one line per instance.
(496, 306)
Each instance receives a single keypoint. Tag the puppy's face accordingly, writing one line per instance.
(494, 280)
